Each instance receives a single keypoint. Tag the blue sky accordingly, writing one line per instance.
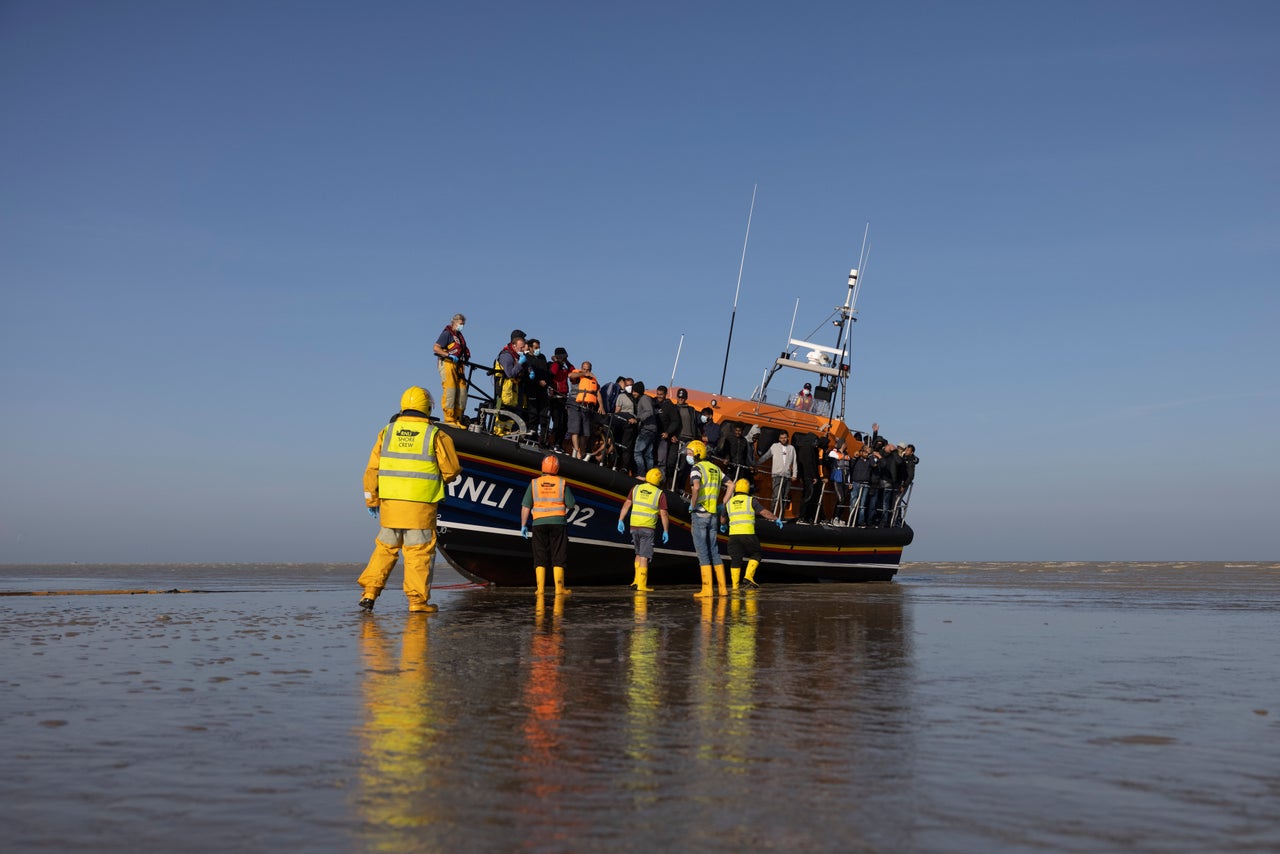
(229, 232)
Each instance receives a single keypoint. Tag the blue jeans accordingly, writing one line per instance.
(644, 451)
(705, 526)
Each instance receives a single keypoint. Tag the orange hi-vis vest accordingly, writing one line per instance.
(588, 388)
(548, 497)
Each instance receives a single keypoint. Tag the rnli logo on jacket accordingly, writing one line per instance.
(408, 439)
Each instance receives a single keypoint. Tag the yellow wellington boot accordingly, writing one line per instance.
(735, 572)
(635, 579)
(558, 573)
(540, 573)
(751, 573)
(719, 568)
(642, 580)
(706, 582)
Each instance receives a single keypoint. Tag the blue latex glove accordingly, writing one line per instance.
(724, 529)
(524, 531)
(622, 529)
(524, 358)
(778, 522)
(453, 359)
(531, 373)
(373, 511)
(664, 538)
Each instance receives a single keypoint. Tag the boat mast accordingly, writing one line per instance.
(676, 364)
(734, 315)
(848, 316)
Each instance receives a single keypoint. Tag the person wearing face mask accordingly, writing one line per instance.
(509, 368)
(451, 349)
(710, 429)
(705, 480)
(646, 427)
(539, 383)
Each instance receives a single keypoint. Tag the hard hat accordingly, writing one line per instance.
(550, 464)
(698, 449)
(653, 476)
(742, 485)
(417, 398)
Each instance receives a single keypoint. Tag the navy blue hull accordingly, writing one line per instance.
(479, 529)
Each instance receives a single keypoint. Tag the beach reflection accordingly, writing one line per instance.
(401, 737)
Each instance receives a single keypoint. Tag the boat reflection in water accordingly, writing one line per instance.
(639, 720)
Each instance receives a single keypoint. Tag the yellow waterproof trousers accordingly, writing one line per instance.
(419, 546)
(454, 398)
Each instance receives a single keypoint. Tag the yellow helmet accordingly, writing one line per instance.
(697, 448)
(416, 397)
(742, 485)
(653, 476)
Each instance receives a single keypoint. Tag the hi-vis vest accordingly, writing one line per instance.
(587, 391)
(742, 515)
(709, 492)
(644, 505)
(548, 497)
(407, 468)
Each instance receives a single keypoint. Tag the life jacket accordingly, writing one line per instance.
(548, 497)
(709, 492)
(742, 514)
(644, 505)
(588, 391)
(508, 388)
(407, 467)
(458, 346)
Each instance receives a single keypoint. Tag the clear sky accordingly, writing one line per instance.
(230, 231)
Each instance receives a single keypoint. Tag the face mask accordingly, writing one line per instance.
(537, 351)
(627, 389)
(705, 419)
(688, 458)
(459, 327)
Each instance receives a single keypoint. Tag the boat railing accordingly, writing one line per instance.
(854, 505)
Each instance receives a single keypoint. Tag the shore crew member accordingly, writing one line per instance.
(741, 509)
(548, 501)
(704, 497)
(451, 349)
(647, 503)
(410, 464)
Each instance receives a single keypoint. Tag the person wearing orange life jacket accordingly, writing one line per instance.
(451, 349)
(404, 484)
(647, 503)
(548, 501)
(583, 409)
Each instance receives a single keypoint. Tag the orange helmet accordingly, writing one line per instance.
(550, 464)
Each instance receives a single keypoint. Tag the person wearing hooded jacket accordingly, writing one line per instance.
(404, 482)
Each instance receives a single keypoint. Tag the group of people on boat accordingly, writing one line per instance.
(565, 408)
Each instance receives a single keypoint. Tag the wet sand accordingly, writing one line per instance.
(1085, 707)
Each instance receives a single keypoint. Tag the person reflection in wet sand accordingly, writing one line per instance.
(544, 698)
(402, 731)
(644, 699)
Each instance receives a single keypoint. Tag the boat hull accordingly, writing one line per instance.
(479, 528)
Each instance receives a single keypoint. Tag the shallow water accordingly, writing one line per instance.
(964, 707)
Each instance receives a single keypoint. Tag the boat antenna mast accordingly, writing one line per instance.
(734, 315)
(848, 314)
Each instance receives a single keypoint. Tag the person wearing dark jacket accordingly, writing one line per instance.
(540, 384)
(736, 451)
(886, 491)
(668, 431)
(860, 474)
